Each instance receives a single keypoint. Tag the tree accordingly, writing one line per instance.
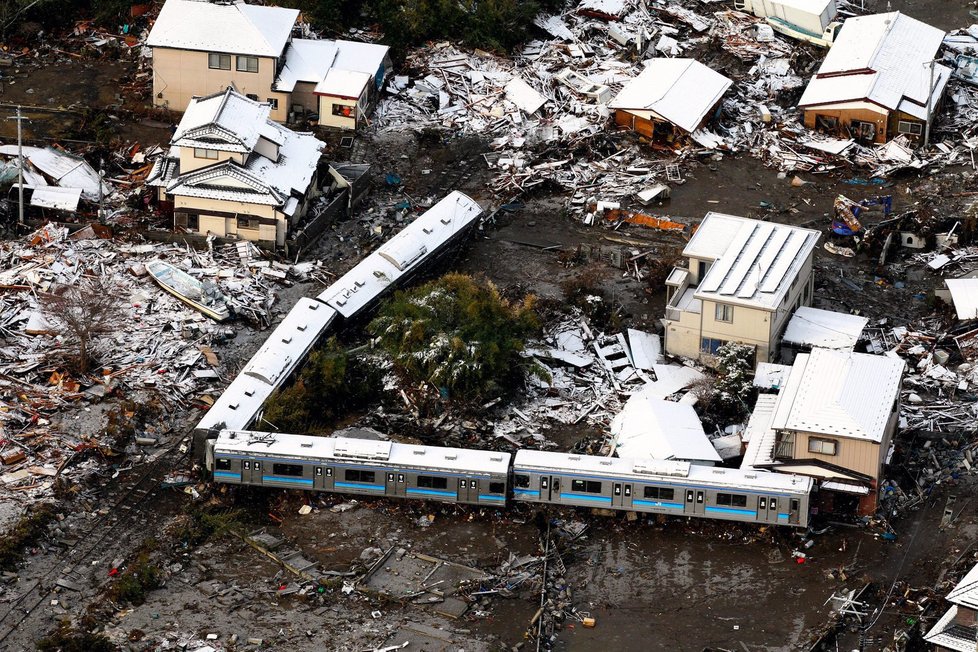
(734, 386)
(460, 335)
(85, 310)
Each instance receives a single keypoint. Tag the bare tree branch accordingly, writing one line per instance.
(85, 310)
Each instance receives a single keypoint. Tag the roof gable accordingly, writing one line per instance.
(227, 121)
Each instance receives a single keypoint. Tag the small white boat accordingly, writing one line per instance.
(202, 296)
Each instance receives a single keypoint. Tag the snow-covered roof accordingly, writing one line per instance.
(232, 27)
(306, 60)
(360, 57)
(680, 91)
(649, 427)
(883, 58)
(260, 180)
(343, 83)
(65, 199)
(402, 253)
(226, 121)
(965, 593)
(964, 295)
(840, 393)
(755, 263)
(824, 328)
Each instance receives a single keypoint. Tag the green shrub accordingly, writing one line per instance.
(139, 578)
(67, 638)
(459, 335)
(25, 532)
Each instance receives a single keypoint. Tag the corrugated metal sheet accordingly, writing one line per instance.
(964, 295)
(64, 199)
(824, 328)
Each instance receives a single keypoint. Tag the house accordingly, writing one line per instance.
(669, 98)
(743, 279)
(233, 172)
(202, 47)
(957, 630)
(833, 420)
(651, 427)
(811, 327)
(879, 79)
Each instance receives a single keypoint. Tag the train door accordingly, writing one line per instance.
(323, 478)
(794, 511)
(545, 485)
(767, 509)
(468, 490)
(395, 484)
(621, 494)
(251, 471)
(695, 501)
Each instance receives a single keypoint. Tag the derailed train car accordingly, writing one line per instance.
(457, 475)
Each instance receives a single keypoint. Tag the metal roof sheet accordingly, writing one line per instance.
(759, 260)
(840, 393)
(681, 91)
(663, 430)
(65, 199)
(964, 295)
(67, 170)
(235, 28)
(824, 328)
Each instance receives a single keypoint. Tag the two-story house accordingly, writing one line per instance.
(833, 420)
(743, 279)
(202, 47)
(957, 630)
(231, 171)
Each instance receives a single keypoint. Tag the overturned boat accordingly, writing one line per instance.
(203, 296)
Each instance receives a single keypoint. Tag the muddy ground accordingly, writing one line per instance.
(672, 585)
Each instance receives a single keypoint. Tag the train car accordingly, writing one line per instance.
(359, 466)
(284, 350)
(395, 261)
(661, 487)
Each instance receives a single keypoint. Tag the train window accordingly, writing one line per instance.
(732, 500)
(774, 504)
(356, 475)
(329, 473)
(246, 465)
(319, 472)
(432, 482)
(586, 486)
(390, 477)
(689, 496)
(287, 469)
(258, 466)
(795, 505)
(521, 480)
(763, 503)
(497, 487)
(660, 493)
(400, 477)
(462, 484)
(223, 465)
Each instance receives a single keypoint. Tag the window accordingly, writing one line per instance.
(343, 110)
(497, 487)
(774, 504)
(205, 153)
(223, 465)
(724, 313)
(432, 482)
(823, 446)
(274, 102)
(247, 64)
(356, 475)
(732, 500)
(710, 345)
(247, 223)
(660, 493)
(907, 127)
(862, 130)
(826, 123)
(219, 61)
(521, 480)
(287, 469)
(252, 96)
(586, 486)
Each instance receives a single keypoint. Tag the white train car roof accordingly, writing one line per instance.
(664, 470)
(278, 357)
(402, 253)
(367, 451)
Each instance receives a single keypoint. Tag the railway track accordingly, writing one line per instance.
(98, 540)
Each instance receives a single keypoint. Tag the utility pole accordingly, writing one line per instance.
(930, 110)
(20, 166)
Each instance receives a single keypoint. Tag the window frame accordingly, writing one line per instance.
(344, 110)
(723, 312)
(659, 493)
(205, 153)
(709, 345)
(221, 58)
(247, 58)
(222, 464)
(362, 476)
(290, 470)
(911, 124)
(821, 443)
(587, 486)
(497, 487)
(273, 102)
(246, 223)
(432, 482)
(724, 499)
(521, 480)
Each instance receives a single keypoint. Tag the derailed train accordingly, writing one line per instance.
(458, 475)
(234, 452)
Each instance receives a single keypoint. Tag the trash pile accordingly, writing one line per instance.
(159, 347)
